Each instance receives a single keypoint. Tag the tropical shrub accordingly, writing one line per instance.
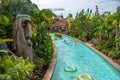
(112, 54)
(99, 47)
(96, 42)
(5, 40)
(12, 68)
(105, 51)
(6, 27)
(34, 40)
(4, 51)
(76, 29)
(45, 50)
(42, 42)
(11, 8)
(39, 63)
(117, 42)
(102, 28)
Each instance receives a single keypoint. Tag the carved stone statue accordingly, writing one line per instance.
(21, 37)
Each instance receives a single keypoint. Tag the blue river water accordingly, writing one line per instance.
(84, 59)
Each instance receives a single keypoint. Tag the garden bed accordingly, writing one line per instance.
(38, 74)
(46, 72)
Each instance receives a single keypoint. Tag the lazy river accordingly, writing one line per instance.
(83, 59)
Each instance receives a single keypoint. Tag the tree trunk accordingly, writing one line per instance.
(117, 35)
(100, 34)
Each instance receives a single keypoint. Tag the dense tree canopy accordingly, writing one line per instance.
(11, 8)
(42, 43)
(102, 30)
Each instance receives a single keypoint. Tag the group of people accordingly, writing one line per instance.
(66, 42)
(75, 42)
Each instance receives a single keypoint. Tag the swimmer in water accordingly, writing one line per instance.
(65, 41)
(75, 42)
(55, 38)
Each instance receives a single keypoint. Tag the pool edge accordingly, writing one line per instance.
(50, 69)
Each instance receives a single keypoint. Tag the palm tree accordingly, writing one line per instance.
(117, 19)
(109, 24)
(48, 16)
(37, 18)
(40, 22)
(5, 27)
(82, 20)
(42, 32)
(101, 26)
(11, 8)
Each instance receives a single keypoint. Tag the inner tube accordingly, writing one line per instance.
(84, 77)
(70, 69)
(75, 43)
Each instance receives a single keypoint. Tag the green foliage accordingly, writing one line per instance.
(20, 69)
(37, 18)
(118, 48)
(39, 63)
(4, 20)
(105, 51)
(47, 16)
(5, 27)
(69, 16)
(12, 68)
(14, 7)
(118, 42)
(45, 50)
(108, 44)
(102, 28)
(43, 15)
(43, 44)
(5, 40)
(34, 40)
(96, 42)
(5, 77)
(41, 32)
(75, 30)
(99, 47)
(47, 13)
(112, 54)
